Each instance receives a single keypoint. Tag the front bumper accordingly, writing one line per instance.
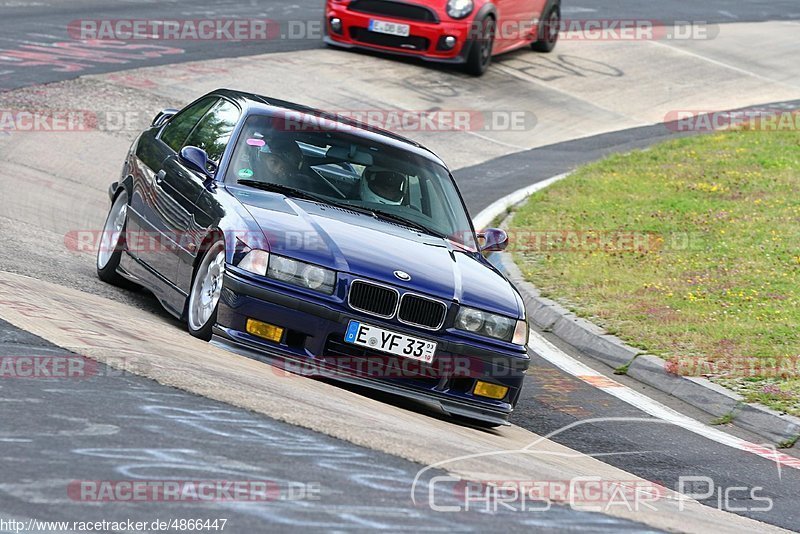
(313, 345)
(424, 40)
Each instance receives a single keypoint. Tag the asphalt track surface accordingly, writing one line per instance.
(550, 401)
(36, 46)
(154, 433)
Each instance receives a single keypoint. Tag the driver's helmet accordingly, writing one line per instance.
(383, 186)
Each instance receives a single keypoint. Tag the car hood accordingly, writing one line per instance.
(366, 247)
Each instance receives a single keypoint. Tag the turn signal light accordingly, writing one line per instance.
(264, 330)
(491, 391)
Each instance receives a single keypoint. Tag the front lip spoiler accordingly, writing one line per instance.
(457, 60)
(447, 405)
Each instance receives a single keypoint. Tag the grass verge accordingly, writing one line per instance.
(689, 250)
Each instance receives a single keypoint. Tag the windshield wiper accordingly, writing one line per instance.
(284, 189)
(406, 222)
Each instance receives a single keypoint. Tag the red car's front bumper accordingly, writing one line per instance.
(425, 40)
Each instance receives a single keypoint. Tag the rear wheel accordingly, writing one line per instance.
(548, 31)
(480, 52)
(206, 289)
(112, 242)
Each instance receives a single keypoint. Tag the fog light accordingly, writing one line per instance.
(336, 25)
(492, 391)
(264, 330)
(449, 42)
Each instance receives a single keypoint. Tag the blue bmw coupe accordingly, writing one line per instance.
(323, 245)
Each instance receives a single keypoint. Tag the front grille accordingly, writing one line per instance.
(370, 298)
(421, 311)
(398, 10)
(411, 42)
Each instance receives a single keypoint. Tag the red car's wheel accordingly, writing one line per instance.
(480, 53)
(548, 30)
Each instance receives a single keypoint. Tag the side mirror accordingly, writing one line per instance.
(196, 159)
(494, 240)
(163, 116)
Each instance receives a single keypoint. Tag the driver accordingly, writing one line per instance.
(383, 187)
(281, 160)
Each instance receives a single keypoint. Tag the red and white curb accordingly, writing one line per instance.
(566, 363)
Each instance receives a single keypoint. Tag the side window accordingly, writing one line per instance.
(214, 131)
(178, 128)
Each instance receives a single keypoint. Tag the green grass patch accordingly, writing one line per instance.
(689, 250)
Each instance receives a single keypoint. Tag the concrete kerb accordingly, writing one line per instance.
(550, 316)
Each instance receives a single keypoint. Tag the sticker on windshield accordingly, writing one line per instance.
(256, 142)
(246, 173)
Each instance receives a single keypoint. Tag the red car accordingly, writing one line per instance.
(467, 32)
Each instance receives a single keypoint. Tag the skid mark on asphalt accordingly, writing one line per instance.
(560, 359)
(76, 56)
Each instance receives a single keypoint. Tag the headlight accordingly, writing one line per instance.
(458, 9)
(302, 274)
(255, 261)
(491, 325)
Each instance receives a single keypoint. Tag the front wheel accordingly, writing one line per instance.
(205, 292)
(548, 31)
(480, 52)
(112, 242)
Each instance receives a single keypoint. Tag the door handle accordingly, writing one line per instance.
(160, 176)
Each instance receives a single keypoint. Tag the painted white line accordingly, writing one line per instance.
(566, 363)
(721, 64)
(487, 215)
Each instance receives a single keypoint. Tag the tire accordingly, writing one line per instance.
(112, 243)
(201, 308)
(548, 30)
(480, 51)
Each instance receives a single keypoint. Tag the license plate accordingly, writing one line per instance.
(375, 338)
(389, 28)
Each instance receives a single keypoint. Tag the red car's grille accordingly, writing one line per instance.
(398, 10)
(411, 42)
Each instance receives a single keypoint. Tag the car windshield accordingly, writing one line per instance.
(336, 167)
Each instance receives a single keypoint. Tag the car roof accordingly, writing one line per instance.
(252, 103)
